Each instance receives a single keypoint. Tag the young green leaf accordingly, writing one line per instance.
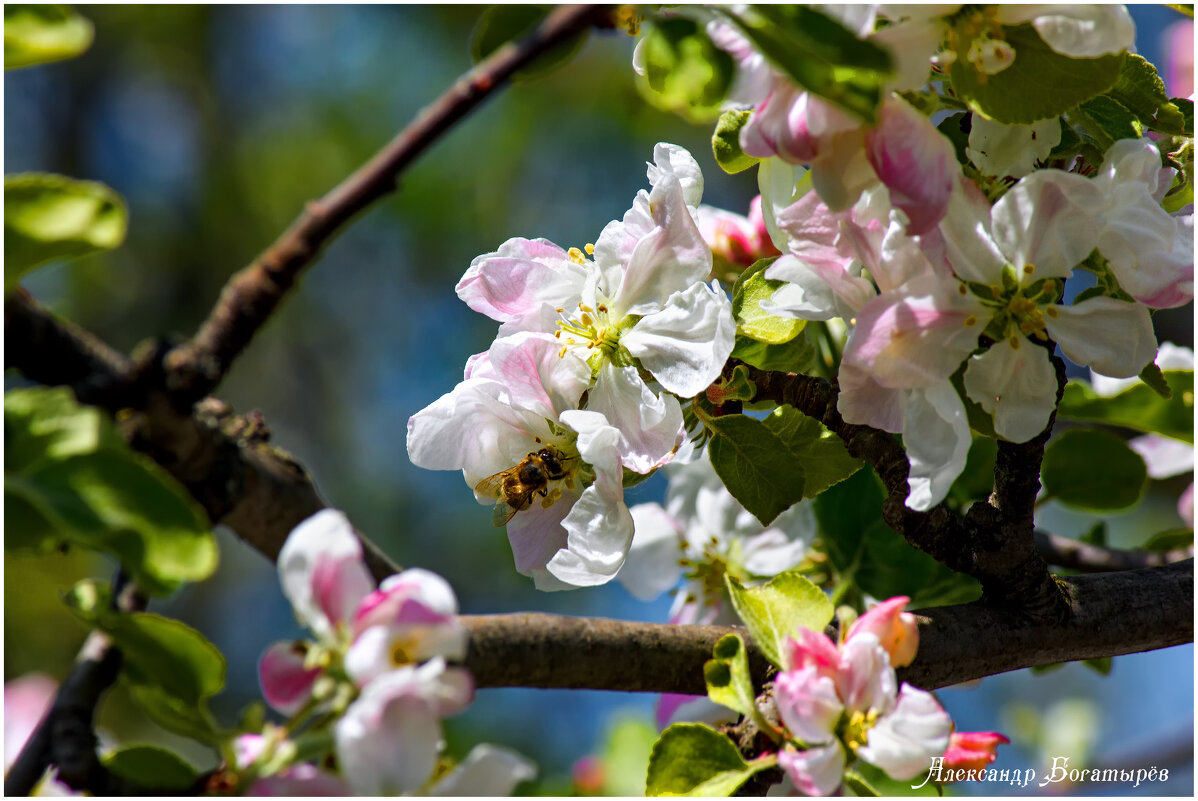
(844, 512)
(1112, 118)
(1141, 90)
(822, 454)
(776, 610)
(1038, 85)
(727, 675)
(860, 787)
(725, 142)
(754, 465)
(692, 759)
(1093, 469)
(684, 71)
(753, 321)
(149, 766)
(49, 217)
(43, 32)
(821, 55)
(795, 356)
(1138, 407)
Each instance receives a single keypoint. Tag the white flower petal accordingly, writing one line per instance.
(536, 533)
(808, 704)
(1085, 30)
(904, 742)
(1113, 337)
(936, 434)
(1164, 456)
(512, 284)
(815, 772)
(652, 566)
(678, 162)
(322, 572)
(1011, 150)
(865, 679)
(968, 244)
(487, 771)
(650, 425)
(1048, 220)
(686, 343)
(536, 374)
(1017, 385)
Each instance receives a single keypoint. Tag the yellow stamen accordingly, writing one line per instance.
(589, 248)
(1028, 269)
(1014, 342)
(971, 321)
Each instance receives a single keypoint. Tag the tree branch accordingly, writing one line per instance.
(1087, 558)
(1112, 614)
(195, 368)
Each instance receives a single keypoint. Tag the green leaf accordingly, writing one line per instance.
(890, 566)
(1141, 90)
(796, 356)
(727, 675)
(779, 608)
(1038, 85)
(1154, 378)
(822, 454)
(1185, 107)
(860, 787)
(1093, 469)
(844, 512)
(151, 767)
(49, 217)
(626, 750)
(754, 322)
(954, 127)
(1113, 118)
(977, 479)
(36, 34)
(725, 142)
(754, 465)
(821, 55)
(26, 526)
(1138, 407)
(684, 71)
(500, 24)
(1101, 665)
(73, 479)
(169, 664)
(692, 759)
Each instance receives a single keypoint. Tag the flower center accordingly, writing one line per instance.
(589, 329)
(856, 728)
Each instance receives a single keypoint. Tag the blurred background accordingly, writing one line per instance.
(216, 124)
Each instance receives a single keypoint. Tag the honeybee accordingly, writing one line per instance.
(516, 487)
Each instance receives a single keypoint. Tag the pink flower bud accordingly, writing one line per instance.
(895, 629)
(973, 750)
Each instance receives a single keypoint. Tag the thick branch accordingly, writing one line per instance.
(1113, 614)
(195, 368)
(1087, 558)
(224, 460)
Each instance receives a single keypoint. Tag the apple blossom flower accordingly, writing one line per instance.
(389, 738)
(640, 302)
(704, 530)
(844, 702)
(1042, 228)
(520, 399)
(895, 629)
(735, 238)
(411, 617)
(973, 750)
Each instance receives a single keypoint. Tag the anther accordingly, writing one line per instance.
(1014, 343)
(590, 248)
(1028, 269)
(971, 321)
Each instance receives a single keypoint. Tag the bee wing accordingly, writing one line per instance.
(491, 486)
(502, 513)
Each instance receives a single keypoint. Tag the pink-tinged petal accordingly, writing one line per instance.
(1159, 274)
(670, 258)
(864, 401)
(842, 171)
(1164, 456)
(677, 708)
(322, 572)
(915, 161)
(1136, 162)
(536, 374)
(512, 284)
(487, 771)
(778, 127)
(895, 629)
(815, 772)
(912, 45)
(1113, 337)
(652, 566)
(413, 596)
(686, 342)
(1015, 382)
(536, 533)
(301, 780)
(247, 748)
(286, 683)
(650, 424)
(968, 243)
(1048, 220)
(809, 648)
(917, 335)
(816, 289)
(973, 750)
(26, 700)
(677, 162)
(936, 434)
(808, 705)
(865, 679)
(904, 742)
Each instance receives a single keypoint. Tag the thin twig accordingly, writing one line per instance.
(1086, 558)
(195, 368)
